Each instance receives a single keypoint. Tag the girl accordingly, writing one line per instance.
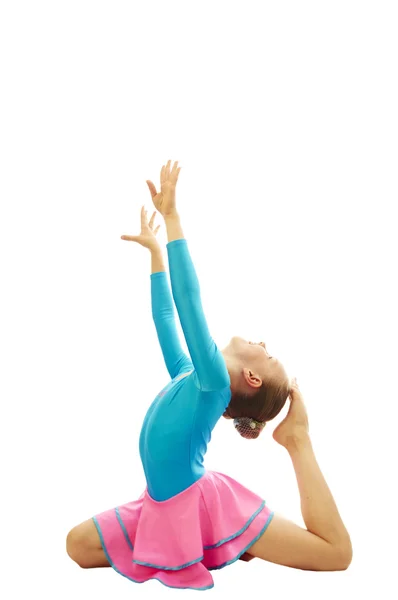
(189, 520)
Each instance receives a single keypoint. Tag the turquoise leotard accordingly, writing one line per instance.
(177, 427)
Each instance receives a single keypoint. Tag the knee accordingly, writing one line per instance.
(75, 546)
(343, 556)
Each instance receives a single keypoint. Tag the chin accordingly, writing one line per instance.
(230, 344)
(235, 344)
(236, 340)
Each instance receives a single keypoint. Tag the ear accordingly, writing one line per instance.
(252, 379)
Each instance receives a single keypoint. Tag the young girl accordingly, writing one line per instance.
(189, 520)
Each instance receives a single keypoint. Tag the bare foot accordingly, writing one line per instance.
(295, 425)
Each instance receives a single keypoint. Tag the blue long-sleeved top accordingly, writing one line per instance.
(177, 427)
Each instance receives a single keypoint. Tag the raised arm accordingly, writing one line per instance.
(163, 315)
(162, 303)
(211, 371)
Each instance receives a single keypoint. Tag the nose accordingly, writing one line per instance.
(262, 344)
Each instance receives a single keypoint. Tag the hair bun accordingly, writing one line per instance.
(248, 428)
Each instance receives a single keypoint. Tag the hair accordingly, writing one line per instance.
(251, 413)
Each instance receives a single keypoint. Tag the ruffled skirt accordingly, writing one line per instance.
(179, 541)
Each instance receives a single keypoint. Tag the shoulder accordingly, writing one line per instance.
(218, 383)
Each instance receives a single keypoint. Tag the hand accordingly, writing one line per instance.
(165, 200)
(294, 426)
(147, 237)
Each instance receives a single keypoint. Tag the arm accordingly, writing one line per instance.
(163, 316)
(157, 262)
(210, 369)
(162, 304)
(208, 361)
(173, 228)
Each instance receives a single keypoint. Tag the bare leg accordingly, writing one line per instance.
(246, 557)
(84, 547)
(325, 545)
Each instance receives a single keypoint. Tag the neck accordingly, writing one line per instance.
(233, 370)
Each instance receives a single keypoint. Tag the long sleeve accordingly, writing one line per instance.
(209, 363)
(163, 315)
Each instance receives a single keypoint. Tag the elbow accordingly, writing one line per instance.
(186, 289)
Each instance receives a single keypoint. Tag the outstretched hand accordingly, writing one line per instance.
(295, 425)
(165, 200)
(147, 237)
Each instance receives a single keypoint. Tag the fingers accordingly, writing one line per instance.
(144, 219)
(131, 238)
(175, 172)
(166, 174)
(152, 188)
(152, 220)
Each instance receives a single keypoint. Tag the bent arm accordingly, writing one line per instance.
(163, 315)
(211, 371)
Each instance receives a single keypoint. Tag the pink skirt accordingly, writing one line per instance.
(179, 541)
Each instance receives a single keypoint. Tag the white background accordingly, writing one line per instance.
(283, 116)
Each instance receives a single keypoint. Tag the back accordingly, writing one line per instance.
(176, 432)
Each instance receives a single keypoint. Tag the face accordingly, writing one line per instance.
(255, 355)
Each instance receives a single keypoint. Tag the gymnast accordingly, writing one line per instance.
(190, 521)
